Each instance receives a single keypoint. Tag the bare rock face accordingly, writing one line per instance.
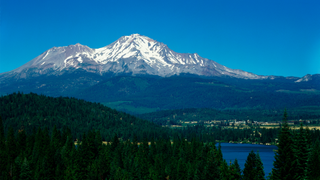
(134, 54)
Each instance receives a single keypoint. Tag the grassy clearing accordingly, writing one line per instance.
(301, 91)
(128, 107)
(294, 127)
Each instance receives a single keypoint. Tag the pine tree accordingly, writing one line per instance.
(260, 173)
(212, 170)
(26, 173)
(3, 152)
(190, 171)
(11, 150)
(115, 143)
(142, 161)
(56, 138)
(283, 168)
(314, 162)
(301, 153)
(250, 167)
(225, 171)
(80, 168)
(2, 137)
(17, 167)
(181, 169)
(21, 141)
(235, 171)
(103, 162)
(218, 154)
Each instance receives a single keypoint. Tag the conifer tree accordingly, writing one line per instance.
(2, 137)
(50, 162)
(115, 142)
(56, 138)
(301, 153)
(3, 152)
(181, 169)
(198, 174)
(67, 151)
(141, 160)
(235, 170)
(26, 173)
(103, 163)
(212, 170)
(80, 170)
(225, 171)
(21, 141)
(314, 162)
(250, 167)
(17, 167)
(11, 150)
(260, 172)
(219, 156)
(159, 166)
(283, 168)
(190, 171)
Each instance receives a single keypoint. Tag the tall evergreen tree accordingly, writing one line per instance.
(212, 170)
(3, 152)
(21, 141)
(235, 171)
(301, 153)
(26, 173)
(250, 167)
(283, 168)
(2, 137)
(260, 172)
(11, 150)
(225, 171)
(314, 162)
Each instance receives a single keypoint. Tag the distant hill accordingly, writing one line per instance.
(28, 111)
(138, 95)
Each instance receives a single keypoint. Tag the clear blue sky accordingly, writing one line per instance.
(265, 37)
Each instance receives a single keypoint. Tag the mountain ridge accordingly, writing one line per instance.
(134, 54)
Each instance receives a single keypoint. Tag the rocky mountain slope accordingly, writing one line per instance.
(134, 55)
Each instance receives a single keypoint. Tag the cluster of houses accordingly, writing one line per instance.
(239, 123)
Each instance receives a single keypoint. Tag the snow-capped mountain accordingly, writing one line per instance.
(134, 54)
(305, 78)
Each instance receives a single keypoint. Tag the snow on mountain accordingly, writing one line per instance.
(134, 54)
(305, 78)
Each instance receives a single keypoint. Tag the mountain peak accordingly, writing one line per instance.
(137, 36)
(133, 54)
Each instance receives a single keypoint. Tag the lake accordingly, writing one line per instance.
(241, 151)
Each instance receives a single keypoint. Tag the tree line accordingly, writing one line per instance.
(54, 155)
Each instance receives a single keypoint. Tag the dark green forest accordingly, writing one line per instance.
(54, 155)
(178, 92)
(66, 138)
(26, 111)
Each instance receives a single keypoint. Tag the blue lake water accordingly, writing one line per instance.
(241, 151)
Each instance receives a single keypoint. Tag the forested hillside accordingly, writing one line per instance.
(178, 92)
(27, 111)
